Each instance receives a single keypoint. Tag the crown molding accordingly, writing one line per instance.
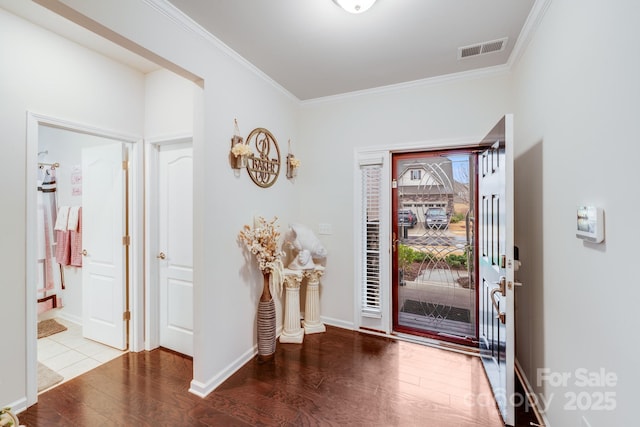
(529, 28)
(531, 25)
(495, 70)
(188, 24)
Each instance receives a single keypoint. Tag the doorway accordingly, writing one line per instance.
(169, 278)
(399, 203)
(100, 264)
(434, 266)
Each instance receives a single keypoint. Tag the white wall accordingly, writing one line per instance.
(48, 75)
(330, 130)
(169, 105)
(170, 102)
(227, 286)
(577, 96)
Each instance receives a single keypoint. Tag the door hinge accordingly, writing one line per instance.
(126, 240)
(125, 165)
(126, 315)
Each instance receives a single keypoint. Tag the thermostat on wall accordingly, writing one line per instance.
(590, 224)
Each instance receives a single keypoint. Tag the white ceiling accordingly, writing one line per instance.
(313, 49)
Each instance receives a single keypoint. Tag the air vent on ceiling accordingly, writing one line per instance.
(482, 48)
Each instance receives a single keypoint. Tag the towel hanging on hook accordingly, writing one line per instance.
(52, 165)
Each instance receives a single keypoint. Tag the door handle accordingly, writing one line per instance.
(394, 242)
(467, 226)
(501, 288)
(84, 252)
(161, 255)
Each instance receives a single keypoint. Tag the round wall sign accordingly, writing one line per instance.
(264, 165)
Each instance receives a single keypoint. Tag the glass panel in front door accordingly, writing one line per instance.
(434, 283)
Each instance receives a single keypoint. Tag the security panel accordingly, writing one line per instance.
(590, 224)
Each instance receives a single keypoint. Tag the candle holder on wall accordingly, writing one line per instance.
(240, 152)
(292, 164)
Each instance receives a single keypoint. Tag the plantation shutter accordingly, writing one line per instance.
(371, 179)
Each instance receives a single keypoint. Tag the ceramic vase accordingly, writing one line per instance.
(266, 323)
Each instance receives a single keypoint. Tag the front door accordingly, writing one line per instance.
(434, 291)
(104, 244)
(496, 263)
(175, 252)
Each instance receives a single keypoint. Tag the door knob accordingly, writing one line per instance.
(161, 255)
(84, 252)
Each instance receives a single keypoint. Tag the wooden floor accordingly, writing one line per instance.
(337, 378)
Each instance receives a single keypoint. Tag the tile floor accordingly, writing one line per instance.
(70, 355)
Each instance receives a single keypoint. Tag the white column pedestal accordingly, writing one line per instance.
(292, 331)
(311, 321)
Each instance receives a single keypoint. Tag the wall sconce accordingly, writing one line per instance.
(292, 164)
(240, 151)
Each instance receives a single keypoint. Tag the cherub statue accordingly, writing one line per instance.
(307, 248)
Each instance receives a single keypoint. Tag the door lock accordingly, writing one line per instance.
(503, 261)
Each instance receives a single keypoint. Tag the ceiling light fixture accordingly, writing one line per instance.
(355, 6)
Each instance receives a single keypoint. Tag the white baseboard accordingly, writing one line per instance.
(70, 317)
(203, 389)
(528, 390)
(18, 406)
(337, 323)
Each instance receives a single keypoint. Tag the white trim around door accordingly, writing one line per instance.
(135, 277)
(152, 291)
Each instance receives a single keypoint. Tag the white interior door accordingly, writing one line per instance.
(103, 229)
(496, 264)
(175, 252)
